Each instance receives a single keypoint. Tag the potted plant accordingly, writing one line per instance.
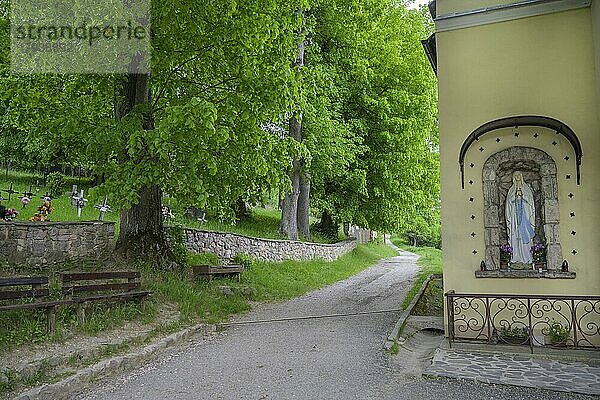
(514, 335)
(505, 254)
(538, 252)
(558, 333)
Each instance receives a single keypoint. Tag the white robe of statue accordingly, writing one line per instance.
(520, 219)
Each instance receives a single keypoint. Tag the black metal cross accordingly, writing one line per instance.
(29, 193)
(10, 191)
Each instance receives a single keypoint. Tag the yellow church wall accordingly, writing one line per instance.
(543, 65)
(595, 10)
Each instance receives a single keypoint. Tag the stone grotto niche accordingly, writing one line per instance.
(539, 172)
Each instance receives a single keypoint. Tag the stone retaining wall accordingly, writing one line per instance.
(227, 245)
(35, 243)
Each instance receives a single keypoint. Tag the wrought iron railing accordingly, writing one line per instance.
(559, 321)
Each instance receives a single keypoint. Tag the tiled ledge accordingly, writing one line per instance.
(527, 273)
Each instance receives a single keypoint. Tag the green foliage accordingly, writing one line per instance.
(245, 260)
(372, 129)
(55, 182)
(516, 332)
(216, 91)
(423, 229)
(327, 227)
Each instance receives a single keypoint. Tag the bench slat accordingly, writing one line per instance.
(31, 306)
(23, 294)
(140, 293)
(101, 287)
(218, 269)
(20, 281)
(90, 276)
(226, 270)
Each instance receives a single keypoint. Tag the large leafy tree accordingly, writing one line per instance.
(382, 163)
(196, 128)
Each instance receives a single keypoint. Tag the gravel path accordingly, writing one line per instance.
(327, 358)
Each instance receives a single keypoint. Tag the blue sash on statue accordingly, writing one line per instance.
(525, 229)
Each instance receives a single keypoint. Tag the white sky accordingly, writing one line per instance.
(417, 3)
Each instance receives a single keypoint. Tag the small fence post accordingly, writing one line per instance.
(488, 319)
(450, 310)
(530, 327)
(574, 322)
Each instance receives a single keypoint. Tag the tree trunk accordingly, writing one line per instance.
(347, 229)
(289, 203)
(242, 212)
(303, 200)
(328, 227)
(141, 235)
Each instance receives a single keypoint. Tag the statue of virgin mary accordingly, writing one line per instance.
(520, 219)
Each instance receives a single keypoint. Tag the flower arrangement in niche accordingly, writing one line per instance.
(505, 254)
(538, 252)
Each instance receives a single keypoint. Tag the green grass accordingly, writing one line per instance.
(294, 278)
(23, 181)
(429, 263)
(263, 223)
(202, 301)
(432, 301)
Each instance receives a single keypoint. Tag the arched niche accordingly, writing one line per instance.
(539, 170)
(522, 120)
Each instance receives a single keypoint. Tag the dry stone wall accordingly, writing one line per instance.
(227, 245)
(36, 244)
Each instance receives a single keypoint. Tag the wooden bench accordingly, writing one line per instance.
(84, 287)
(14, 293)
(212, 270)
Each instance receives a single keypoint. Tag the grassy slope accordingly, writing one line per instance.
(430, 262)
(264, 223)
(62, 205)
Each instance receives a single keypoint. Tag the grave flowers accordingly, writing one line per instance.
(42, 211)
(9, 214)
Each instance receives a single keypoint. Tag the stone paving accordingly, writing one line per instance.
(517, 370)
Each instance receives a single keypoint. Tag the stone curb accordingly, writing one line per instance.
(395, 334)
(28, 369)
(68, 386)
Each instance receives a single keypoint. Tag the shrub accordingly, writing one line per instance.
(245, 260)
